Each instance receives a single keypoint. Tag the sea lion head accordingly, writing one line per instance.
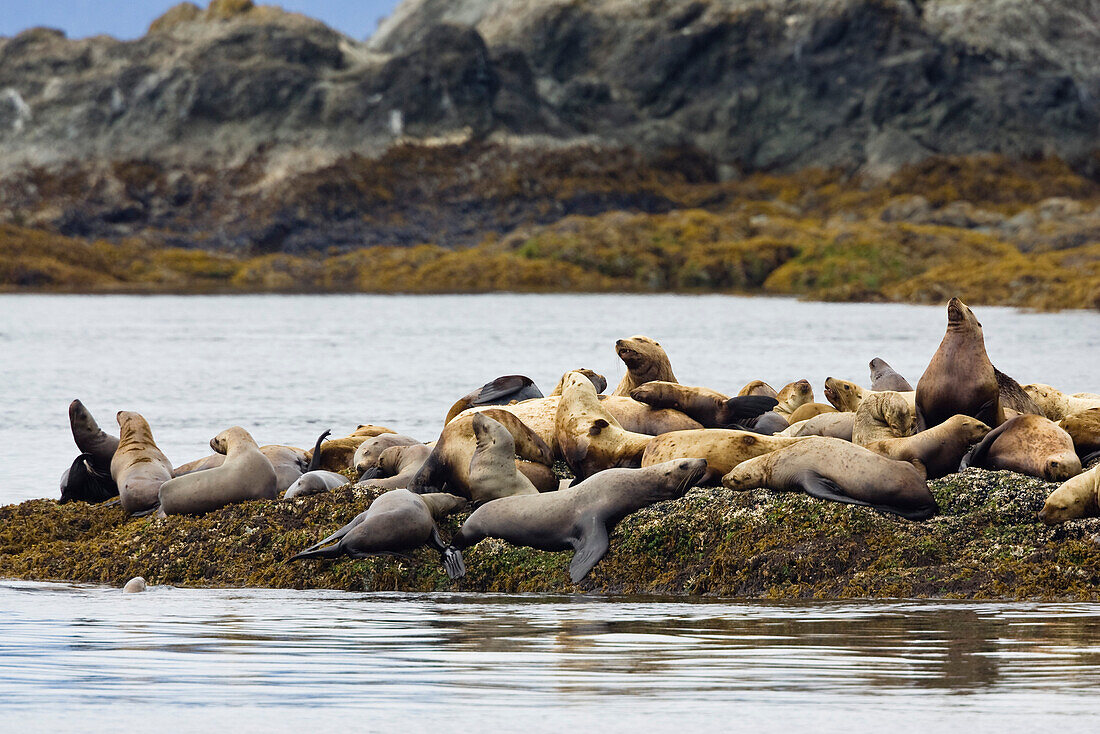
(794, 395)
(677, 477)
(1076, 498)
(843, 395)
(758, 387)
(133, 427)
(749, 474)
(441, 504)
(971, 430)
(221, 443)
(486, 430)
(960, 317)
(644, 358)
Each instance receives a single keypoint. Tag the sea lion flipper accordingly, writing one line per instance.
(976, 455)
(435, 540)
(590, 548)
(746, 407)
(452, 563)
(315, 459)
(824, 488)
(508, 387)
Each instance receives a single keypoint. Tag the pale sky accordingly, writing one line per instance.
(131, 18)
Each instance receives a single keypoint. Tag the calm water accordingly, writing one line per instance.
(93, 659)
(89, 659)
(287, 367)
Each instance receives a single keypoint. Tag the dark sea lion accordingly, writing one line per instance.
(315, 482)
(1084, 429)
(1078, 496)
(758, 387)
(710, 408)
(883, 415)
(315, 455)
(840, 471)
(82, 482)
(645, 361)
(245, 475)
(883, 377)
(589, 437)
(960, 379)
(1027, 444)
(540, 475)
(580, 518)
(768, 424)
(90, 438)
(396, 522)
(598, 381)
(936, 451)
(370, 451)
(722, 449)
(447, 468)
(1013, 397)
(138, 467)
(501, 391)
(395, 466)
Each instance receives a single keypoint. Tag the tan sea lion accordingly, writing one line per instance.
(1084, 429)
(645, 361)
(882, 415)
(289, 463)
(245, 475)
(960, 379)
(936, 451)
(883, 377)
(397, 521)
(370, 431)
(1027, 444)
(723, 449)
(834, 425)
(579, 518)
(1055, 404)
(138, 467)
(447, 468)
(844, 395)
(501, 391)
(807, 411)
(91, 439)
(315, 482)
(710, 408)
(758, 387)
(840, 471)
(1078, 496)
(589, 437)
(792, 396)
(367, 454)
(493, 472)
(395, 466)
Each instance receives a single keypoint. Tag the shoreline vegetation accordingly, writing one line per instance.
(991, 230)
(987, 543)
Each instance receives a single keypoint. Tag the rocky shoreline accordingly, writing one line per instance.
(986, 543)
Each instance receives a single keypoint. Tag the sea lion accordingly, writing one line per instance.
(1027, 444)
(138, 467)
(447, 468)
(493, 472)
(315, 482)
(792, 396)
(936, 451)
(807, 411)
(1078, 496)
(710, 408)
(723, 449)
(367, 454)
(882, 415)
(834, 425)
(289, 463)
(501, 391)
(1055, 404)
(395, 466)
(368, 430)
(598, 381)
(589, 438)
(540, 475)
(883, 377)
(580, 518)
(1084, 429)
(758, 387)
(840, 471)
(339, 453)
(397, 521)
(844, 395)
(960, 379)
(769, 424)
(136, 585)
(245, 475)
(645, 361)
(82, 482)
(1013, 397)
(91, 439)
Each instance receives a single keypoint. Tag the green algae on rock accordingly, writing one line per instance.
(987, 544)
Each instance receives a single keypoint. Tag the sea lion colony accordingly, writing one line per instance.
(648, 442)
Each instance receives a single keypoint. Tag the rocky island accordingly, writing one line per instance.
(842, 150)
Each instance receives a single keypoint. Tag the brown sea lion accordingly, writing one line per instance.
(501, 391)
(447, 468)
(1013, 397)
(807, 411)
(710, 408)
(960, 379)
(395, 466)
(645, 361)
(1055, 404)
(834, 425)
(882, 415)
(792, 396)
(1078, 496)
(579, 518)
(1084, 429)
(138, 467)
(91, 439)
(370, 431)
(758, 387)
(723, 449)
(589, 437)
(540, 475)
(883, 377)
(396, 522)
(1027, 444)
(837, 470)
(936, 451)
(245, 475)
(339, 453)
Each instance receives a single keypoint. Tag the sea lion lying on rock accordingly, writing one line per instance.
(1078, 496)
(1027, 444)
(245, 475)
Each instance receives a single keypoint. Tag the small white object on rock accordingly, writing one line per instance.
(135, 585)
